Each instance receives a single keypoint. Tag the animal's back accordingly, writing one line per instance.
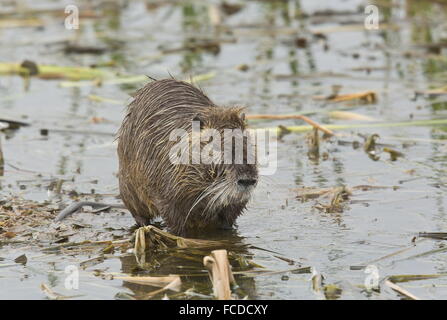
(143, 139)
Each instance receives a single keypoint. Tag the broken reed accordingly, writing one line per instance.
(303, 128)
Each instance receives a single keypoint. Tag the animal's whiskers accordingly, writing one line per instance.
(201, 196)
(221, 191)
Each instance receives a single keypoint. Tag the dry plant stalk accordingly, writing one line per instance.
(49, 292)
(150, 237)
(339, 197)
(54, 295)
(140, 246)
(401, 290)
(18, 23)
(154, 238)
(174, 285)
(313, 143)
(346, 115)
(436, 91)
(308, 193)
(286, 117)
(219, 270)
(150, 281)
(366, 97)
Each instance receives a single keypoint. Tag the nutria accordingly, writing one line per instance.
(188, 196)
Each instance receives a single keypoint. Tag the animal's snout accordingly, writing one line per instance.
(246, 182)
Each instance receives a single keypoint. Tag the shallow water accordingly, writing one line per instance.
(281, 79)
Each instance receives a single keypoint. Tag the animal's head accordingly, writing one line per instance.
(221, 171)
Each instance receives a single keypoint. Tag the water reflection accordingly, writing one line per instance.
(188, 263)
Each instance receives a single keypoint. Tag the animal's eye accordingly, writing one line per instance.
(243, 117)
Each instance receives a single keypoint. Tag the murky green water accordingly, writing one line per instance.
(281, 78)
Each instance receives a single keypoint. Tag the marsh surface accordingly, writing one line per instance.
(273, 57)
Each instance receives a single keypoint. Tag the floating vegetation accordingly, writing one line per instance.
(394, 154)
(367, 97)
(332, 291)
(370, 146)
(20, 23)
(283, 131)
(309, 193)
(25, 223)
(433, 92)
(122, 80)
(50, 72)
(75, 75)
(433, 235)
(337, 202)
(13, 124)
(22, 259)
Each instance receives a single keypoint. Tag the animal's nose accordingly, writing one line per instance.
(246, 182)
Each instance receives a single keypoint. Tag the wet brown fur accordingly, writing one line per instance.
(151, 185)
